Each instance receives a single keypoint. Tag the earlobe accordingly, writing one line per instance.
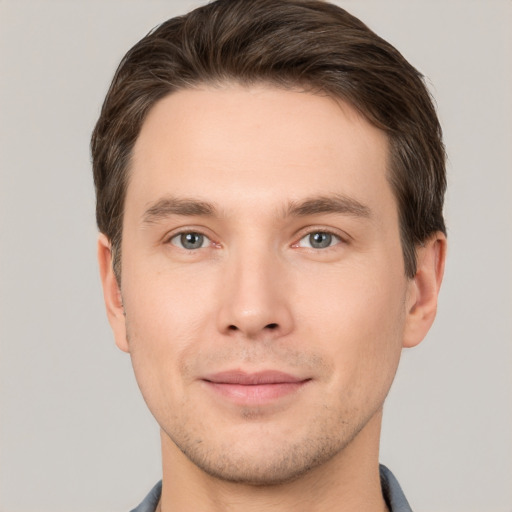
(424, 289)
(112, 293)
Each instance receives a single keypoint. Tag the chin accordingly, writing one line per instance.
(258, 473)
(269, 463)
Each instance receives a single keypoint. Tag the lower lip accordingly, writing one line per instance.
(255, 394)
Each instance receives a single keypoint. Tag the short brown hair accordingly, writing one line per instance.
(309, 44)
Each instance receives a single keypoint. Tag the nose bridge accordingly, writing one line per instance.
(253, 300)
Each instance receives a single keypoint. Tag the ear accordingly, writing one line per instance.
(421, 302)
(112, 293)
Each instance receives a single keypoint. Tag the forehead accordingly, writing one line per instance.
(271, 144)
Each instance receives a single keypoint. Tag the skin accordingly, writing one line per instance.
(258, 172)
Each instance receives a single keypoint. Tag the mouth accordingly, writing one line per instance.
(254, 388)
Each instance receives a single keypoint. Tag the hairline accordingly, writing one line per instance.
(306, 86)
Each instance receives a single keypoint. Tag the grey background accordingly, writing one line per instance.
(74, 433)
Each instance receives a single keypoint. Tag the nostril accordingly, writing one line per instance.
(268, 327)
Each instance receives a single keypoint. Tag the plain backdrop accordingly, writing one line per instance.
(74, 433)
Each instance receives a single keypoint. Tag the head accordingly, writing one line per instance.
(322, 49)
(270, 179)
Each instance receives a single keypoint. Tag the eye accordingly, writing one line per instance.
(319, 240)
(190, 240)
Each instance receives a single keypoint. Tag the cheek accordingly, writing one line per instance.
(165, 316)
(167, 302)
(357, 324)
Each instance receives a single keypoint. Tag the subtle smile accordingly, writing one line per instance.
(254, 388)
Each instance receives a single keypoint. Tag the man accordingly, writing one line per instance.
(270, 179)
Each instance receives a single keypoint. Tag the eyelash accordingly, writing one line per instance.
(190, 232)
(338, 239)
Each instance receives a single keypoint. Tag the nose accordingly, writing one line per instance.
(255, 299)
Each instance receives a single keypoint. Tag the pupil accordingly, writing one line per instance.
(320, 240)
(192, 240)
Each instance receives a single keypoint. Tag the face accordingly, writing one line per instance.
(264, 299)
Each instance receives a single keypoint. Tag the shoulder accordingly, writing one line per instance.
(393, 494)
(150, 502)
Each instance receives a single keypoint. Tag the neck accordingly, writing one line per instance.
(349, 482)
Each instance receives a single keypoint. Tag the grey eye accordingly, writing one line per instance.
(319, 240)
(190, 241)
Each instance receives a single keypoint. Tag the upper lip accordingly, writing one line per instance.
(252, 379)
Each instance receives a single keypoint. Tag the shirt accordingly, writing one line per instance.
(391, 490)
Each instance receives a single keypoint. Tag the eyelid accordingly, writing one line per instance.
(343, 237)
(304, 232)
(189, 229)
(205, 241)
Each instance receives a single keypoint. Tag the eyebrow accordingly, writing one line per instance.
(317, 205)
(168, 206)
(335, 203)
